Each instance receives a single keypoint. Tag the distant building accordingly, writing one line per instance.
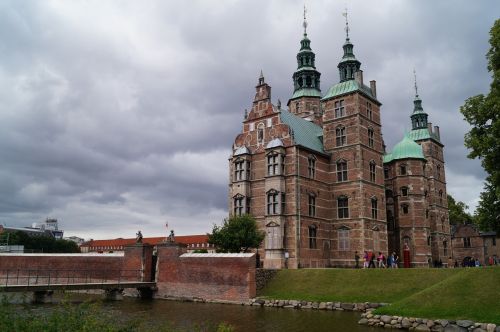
(193, 242)
(76, 239)
(49, 227)
(468, 242)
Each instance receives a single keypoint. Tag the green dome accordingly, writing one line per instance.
(405, 149)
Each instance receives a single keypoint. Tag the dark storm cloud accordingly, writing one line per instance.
(121, 117)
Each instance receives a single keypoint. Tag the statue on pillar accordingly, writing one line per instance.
(138, 237)
(171, 237)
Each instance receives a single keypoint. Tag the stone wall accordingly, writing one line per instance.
(221, 277)
(263, 276)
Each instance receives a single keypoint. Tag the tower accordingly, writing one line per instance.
(352, 135)
(305, 101)
(417, 212)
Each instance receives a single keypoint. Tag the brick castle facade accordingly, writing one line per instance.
(318, 180)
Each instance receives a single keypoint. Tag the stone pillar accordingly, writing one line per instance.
(137, 262)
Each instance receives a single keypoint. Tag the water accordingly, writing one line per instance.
(243, 318)
(186, 315)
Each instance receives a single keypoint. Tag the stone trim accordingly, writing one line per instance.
(422, 324)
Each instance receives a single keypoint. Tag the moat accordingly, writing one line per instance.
(190, 315)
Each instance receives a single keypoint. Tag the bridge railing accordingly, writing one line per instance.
(31, 277)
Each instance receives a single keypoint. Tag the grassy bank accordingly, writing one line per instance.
(430, 293)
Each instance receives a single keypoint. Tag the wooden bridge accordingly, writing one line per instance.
(44, 282)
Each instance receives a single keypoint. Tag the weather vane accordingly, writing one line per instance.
(305, 21)
(415, 77)
(346, 23)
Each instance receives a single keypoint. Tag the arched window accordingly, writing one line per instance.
(343, 207)
(260, 133)
(341, 171)
(340, 136)
(373, 168)
(374, 208)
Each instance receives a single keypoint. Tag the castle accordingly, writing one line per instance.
(320, 183)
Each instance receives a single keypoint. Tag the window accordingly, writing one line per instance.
(339, 109)
(370, 138)
(466, 242)
(272, 202)
(373, 167)
(439, 172)
(312, 205)
(241, 170)
(369, 113)
(429, 240)
(404, 191)
(283, 197)
(493, 241)
(238, 206)
(342, 171)
(343, 207)
(275, 164)
(441, 197)
(423, 169)
(312, 167)
(445, 248)
(340, 135)
(312, 237)
(260, 134)
(374, 208)
(386, 173)
(404, 208)
(402, 170)
(343, 239)
(427, 213)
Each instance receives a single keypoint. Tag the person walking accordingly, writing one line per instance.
(395, 260)
(380, 260)
(366, 260)
(371, 256)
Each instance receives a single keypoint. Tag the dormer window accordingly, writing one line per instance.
(275, 202)
(275, 164)
(241, 170)
(260, 133)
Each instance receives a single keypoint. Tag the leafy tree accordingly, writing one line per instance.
(458, 213)
(236, 234)
(483, 114)
(43, 243)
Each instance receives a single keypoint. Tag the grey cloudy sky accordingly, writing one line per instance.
(120, 115)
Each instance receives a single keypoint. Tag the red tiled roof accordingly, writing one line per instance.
(185, 239)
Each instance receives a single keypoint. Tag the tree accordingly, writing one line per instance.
(457, 212)
(483, 140)
(236, 234)
(43, 243)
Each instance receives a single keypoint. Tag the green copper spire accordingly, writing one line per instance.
(306, 80)
(418, 117)
(349, 64)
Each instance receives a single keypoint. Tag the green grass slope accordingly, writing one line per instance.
(427, 293)
(470, 294)
(346, 285)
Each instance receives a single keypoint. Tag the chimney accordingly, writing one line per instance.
(373, 87)
(436, 130)
(429, 127)
(358, 76)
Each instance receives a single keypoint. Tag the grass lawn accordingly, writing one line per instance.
(470, 294)
(428, 293)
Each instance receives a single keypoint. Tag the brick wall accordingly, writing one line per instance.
(226, 277)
